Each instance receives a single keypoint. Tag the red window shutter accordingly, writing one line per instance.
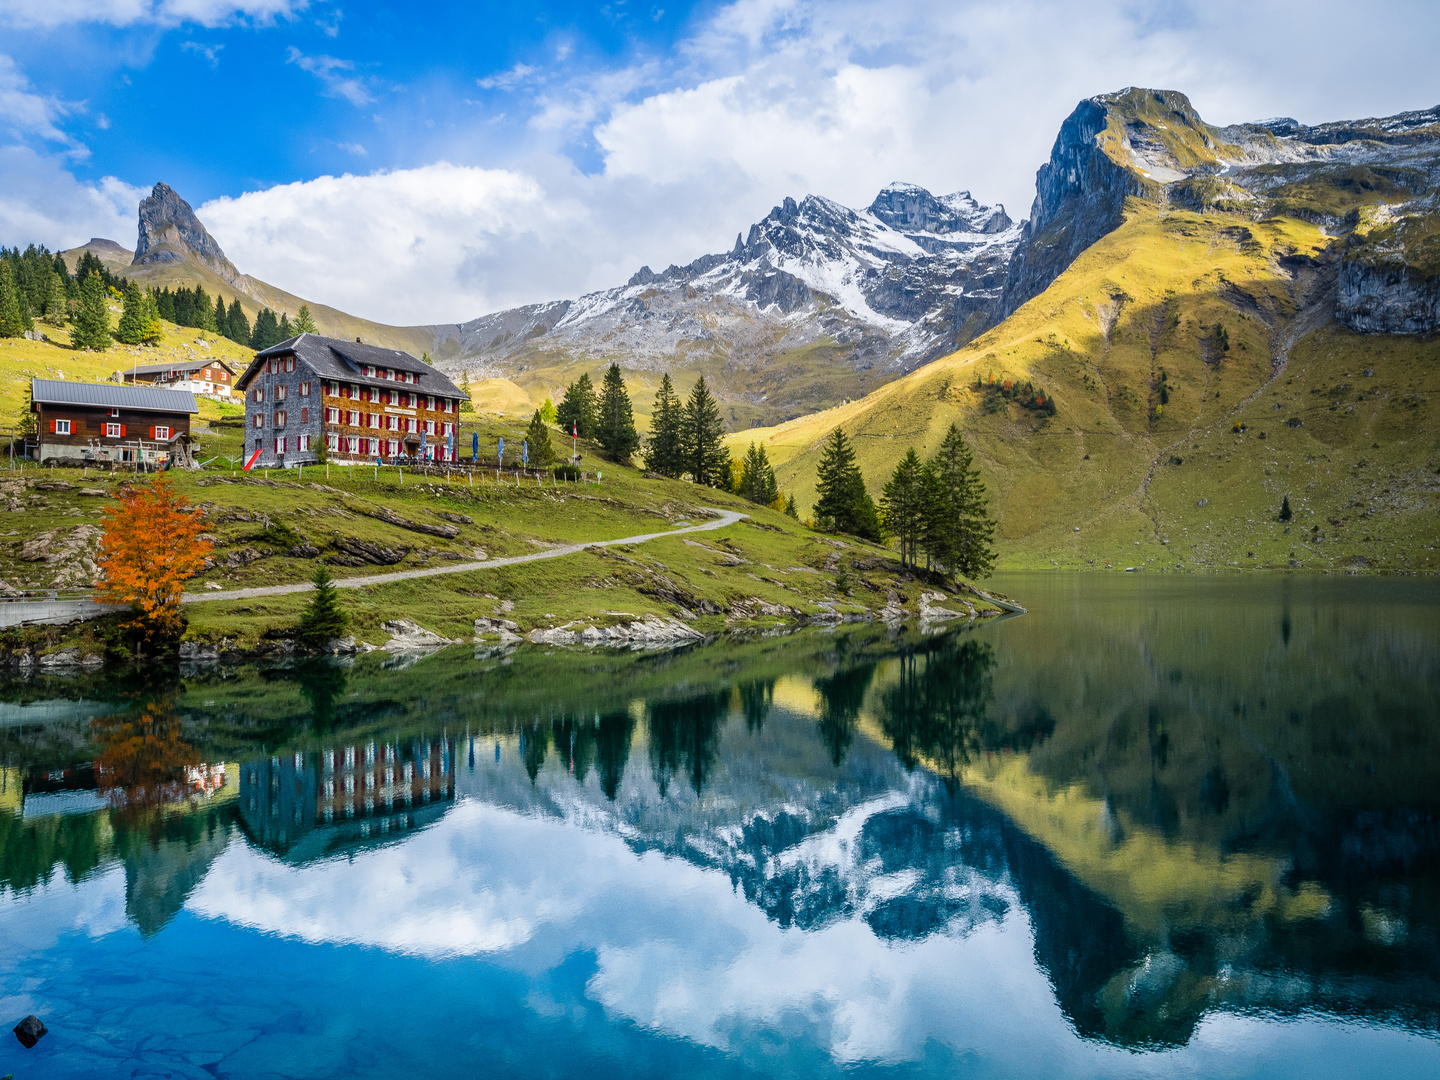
(122, 431)
(152, 431)
(52, 427)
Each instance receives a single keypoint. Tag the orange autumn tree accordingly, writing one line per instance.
(152, 544)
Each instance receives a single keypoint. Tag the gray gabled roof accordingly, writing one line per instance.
(187, 365)
(110, 396)
(344, 361)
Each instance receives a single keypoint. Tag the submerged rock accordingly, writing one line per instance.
(30, 1031)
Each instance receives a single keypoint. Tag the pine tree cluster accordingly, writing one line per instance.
(579, 411)
(938, 508)
(36, 284)
(756, 481)
(688, 438)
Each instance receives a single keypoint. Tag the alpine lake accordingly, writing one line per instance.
(1156, 827)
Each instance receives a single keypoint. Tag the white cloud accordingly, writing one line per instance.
(335, 74)
(41, 202)
(391, 245)
(47, 14)
(23, 112)
(506, 80)
(209, 52)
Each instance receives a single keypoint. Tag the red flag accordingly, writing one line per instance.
(575, 428)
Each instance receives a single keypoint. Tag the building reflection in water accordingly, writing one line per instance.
(308, 805)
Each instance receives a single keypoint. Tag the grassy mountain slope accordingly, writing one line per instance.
(1116, 477)
(255, 294)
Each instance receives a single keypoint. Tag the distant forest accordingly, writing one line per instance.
(36, 284)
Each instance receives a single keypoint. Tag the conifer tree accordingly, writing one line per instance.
(757, 478)
(27, 424)
(466, 405)
(791, 510)
(237, 325)
(304, 321)
(286, 332)
(266, 331)
(958, 530)
(580, 409)
(844, 504)
(549, 412)
(615, 431)
(165, 305)
(92, 318)
(152, 330)
(323, 618)
(11, 323)
(27, 321)
(702, 439)
(56, 303)
(1285, 512)
(221, 321)
(537, 435)
(663, 453)
(131, 330)
(903, 506)
(425, 359)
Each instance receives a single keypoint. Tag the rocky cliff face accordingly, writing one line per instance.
(170, 232)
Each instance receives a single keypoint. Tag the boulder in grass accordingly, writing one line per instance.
(30, 1031)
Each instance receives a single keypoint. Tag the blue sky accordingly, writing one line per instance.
(433, 162)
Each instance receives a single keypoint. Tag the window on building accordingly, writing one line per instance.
(115, 412)
(280, 444)
(304, 416)
(163, 433)
(304, 442)
(290, 364)
(280, 393)
(62, 427)
(354, 418)
(258, 420)
(354, 444)
(258, 394)
(332, 441)
(332, 416)
(429, 427)
(280, 418)
(370, 371)
(374, 420)
(305, 388)
(392, 423)
(411, 425)
(112, 431)
(392, 447)
(446, 429)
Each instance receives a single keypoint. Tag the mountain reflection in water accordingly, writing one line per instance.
(1189, 802)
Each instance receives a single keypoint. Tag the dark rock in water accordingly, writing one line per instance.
(30, 1031)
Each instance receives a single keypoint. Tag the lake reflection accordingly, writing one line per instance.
(1163, 827)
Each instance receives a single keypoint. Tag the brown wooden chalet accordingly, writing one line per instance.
(197, 376)
(96, 423)
(360, 402)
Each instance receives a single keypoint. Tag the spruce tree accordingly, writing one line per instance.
(757, 478)
(237, 325)
(844, 504)
(304, 321)
(791, 510)
(56, 303)
(165, 305)
(131, 330)
(11, 322)
(663, 453)
(1285, 512)
(702, 439)
(959, 531)
(466, 405)
(152, 330)
(221, 320)
(616, 432)
(580, 409)
(27, 424)
(903, 504)
(92, 318)
(286, 332)
(266, 331)
(323, 618)
(537, 435)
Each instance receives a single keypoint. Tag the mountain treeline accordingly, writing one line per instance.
(192, 307)
(36, 285)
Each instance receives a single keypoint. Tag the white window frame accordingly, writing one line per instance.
(332, 415)
(280, 393)
(161, 432)
(332, 442)
(258, 421)
(62, 427)
(112, 431)
(279, 418)
(352, 443)
(305, 388)
(258, 395)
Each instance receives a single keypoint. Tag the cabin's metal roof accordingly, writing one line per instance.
(110, 396)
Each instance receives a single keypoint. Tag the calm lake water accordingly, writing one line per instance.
(1168, 827)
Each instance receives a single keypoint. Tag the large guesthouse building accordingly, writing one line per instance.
(358, 401)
